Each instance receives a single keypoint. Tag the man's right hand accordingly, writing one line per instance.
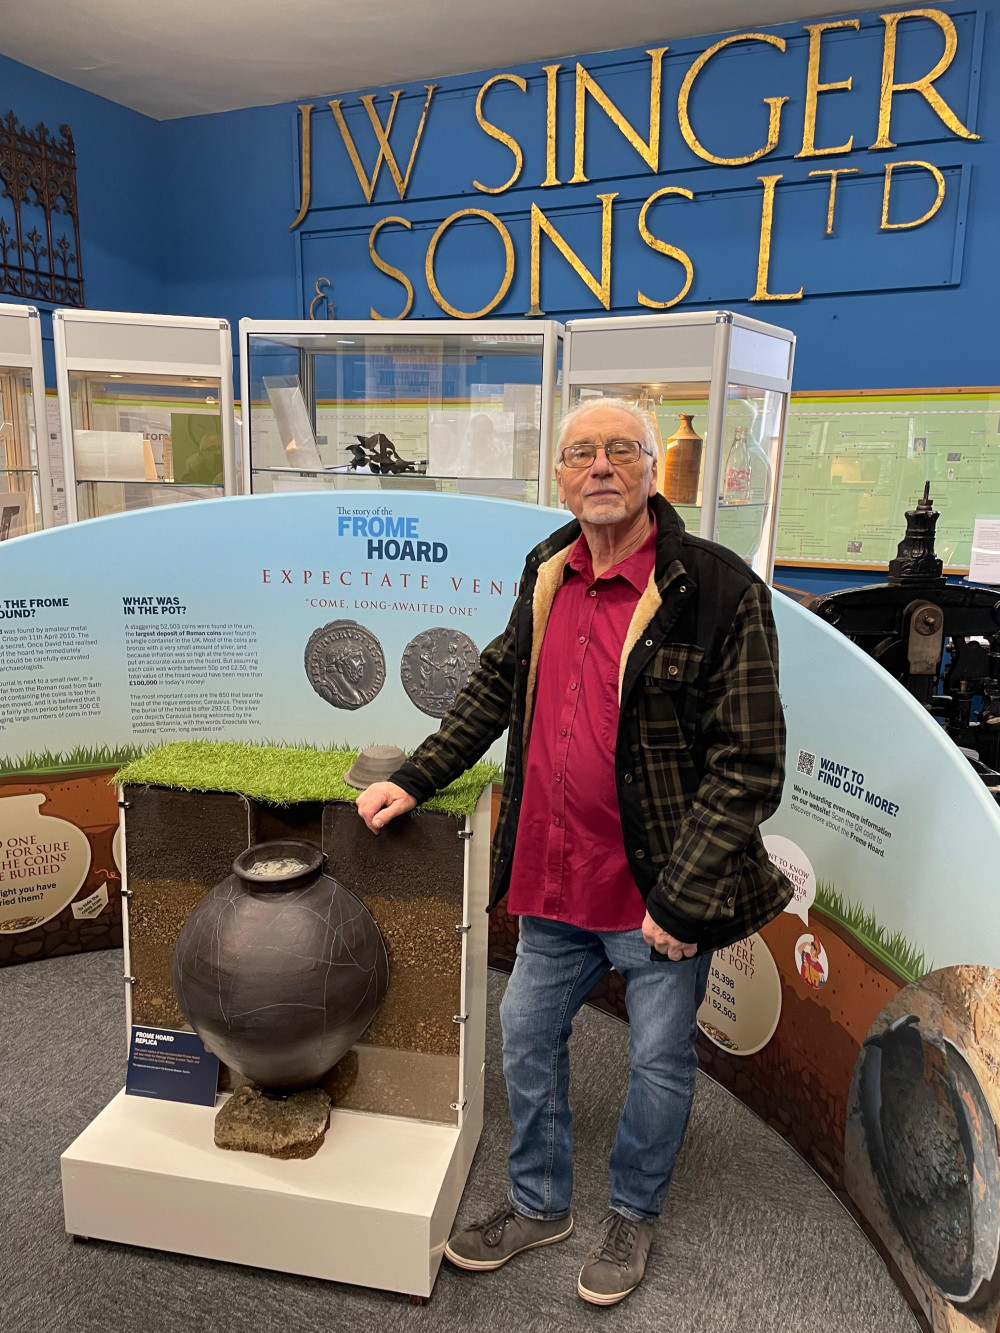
(383, 801)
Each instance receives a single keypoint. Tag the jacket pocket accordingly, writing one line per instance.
(667, 703)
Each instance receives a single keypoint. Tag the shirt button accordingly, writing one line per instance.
(682, 588)
(628, 777)
(592, 593)
(557, 822)
(671, 671)
(583, 638)
(638, 853)
(558, 777)
(562, 731)
(572, 684)
(731, 902)
(649, 643)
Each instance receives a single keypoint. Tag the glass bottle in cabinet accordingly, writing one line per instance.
(736, 471)
(682, 463)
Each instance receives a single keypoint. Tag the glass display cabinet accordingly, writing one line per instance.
(25, 479)
(436, 405)
(146, 410)
(717, 386)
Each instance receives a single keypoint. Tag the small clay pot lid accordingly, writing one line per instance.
(375, 764)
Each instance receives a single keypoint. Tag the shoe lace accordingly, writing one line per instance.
(493, 1227)
(619, 1240)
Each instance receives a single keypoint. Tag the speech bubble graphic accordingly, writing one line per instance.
(742, 1002)
(792, 861)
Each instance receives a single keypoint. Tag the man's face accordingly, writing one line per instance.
(350, 665)
(604, 493)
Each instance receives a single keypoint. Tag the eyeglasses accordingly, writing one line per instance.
(621, 453)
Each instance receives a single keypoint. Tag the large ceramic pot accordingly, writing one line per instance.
(279, 969)
(932, 1143)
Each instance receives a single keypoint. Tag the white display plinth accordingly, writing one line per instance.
(373, 1207)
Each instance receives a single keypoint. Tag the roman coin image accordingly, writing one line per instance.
(345, 664)
(436, 664)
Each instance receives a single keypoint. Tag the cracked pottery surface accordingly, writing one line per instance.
(280, 976)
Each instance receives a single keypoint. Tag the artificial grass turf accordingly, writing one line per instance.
(281, 774)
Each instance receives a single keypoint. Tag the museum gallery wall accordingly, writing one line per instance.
(212, 199)
(855, 216)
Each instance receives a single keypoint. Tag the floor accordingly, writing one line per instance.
(750, 1242)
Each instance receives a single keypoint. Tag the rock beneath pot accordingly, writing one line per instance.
(285, 1127)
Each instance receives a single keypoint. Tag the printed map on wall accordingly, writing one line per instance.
(854, 465)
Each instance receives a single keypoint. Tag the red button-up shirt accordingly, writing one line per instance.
(569, 858)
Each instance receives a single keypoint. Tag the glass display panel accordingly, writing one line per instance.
(20, 497)
(340, 411)
(144, 440)
(751, 447)
(408, 1059)
(668, 403)
(181, 844)
(751, 454)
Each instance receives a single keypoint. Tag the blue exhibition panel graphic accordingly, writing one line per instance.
(192, 622)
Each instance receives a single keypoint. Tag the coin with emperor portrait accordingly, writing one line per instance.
(345, 664)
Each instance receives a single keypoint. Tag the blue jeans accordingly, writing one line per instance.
(557, 966)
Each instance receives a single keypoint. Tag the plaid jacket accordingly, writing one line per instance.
(701, 738)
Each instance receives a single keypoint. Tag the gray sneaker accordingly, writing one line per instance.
(616, 1264)
(489, 1244)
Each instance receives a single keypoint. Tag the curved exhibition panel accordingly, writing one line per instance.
(861, 1024)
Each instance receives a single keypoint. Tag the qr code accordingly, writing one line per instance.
(807, 762)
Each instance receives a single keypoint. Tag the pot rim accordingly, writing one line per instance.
(313, 857)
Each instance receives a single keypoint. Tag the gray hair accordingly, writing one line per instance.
(645, 423)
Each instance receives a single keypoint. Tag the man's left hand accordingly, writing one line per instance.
(676, 950)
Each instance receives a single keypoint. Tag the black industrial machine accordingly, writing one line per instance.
(941, 640)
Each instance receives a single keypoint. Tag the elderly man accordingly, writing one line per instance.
(638, 680)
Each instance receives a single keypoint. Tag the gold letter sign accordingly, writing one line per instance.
(305, 167)
(924, 86)
(775, 103)
(508, 272)
(662, 247)
(831, 203)
(649, 152)
(890, 167)
(764, 252)
(814, 88)
(540, 223)
(508, 140)
(388, 269)
(385, 153)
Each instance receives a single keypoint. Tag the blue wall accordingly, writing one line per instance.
(121, 187)
(881, 309)
(192, 216)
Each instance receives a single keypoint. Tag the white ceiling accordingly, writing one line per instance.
(171, 58)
